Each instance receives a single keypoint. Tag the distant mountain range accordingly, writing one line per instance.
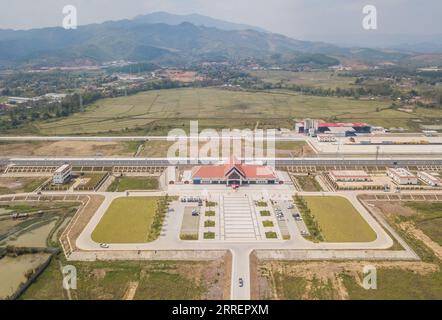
(195, 19)
(169, 39)
(404, 42)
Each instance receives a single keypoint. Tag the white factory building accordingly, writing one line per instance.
(62, 174)
(402, 176)
(429, 179)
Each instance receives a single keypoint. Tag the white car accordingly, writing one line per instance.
(104, 245)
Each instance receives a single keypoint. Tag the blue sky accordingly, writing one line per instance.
(295, 18)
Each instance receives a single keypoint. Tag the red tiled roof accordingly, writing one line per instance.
(337, 125)
(221, 171)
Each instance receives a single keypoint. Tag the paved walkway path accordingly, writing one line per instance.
(297, 248)
(239, 223)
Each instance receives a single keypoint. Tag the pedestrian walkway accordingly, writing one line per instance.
(239, 222)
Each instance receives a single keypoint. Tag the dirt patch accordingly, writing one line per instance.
(99, 273)
(389, 208)
(322, 275)
(83, 219)
(418, 234)
(65, 148)
(216, 276)
(131, 291)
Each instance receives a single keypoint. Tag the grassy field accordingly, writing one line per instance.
(19, 185)
(122, 184)
(159, 149)
(128, 220)
(320, 79)
(308, 183)
(332, 280)
(146, 280)
(398, 284)
(339, 221)
(156, 112)
(428, 218)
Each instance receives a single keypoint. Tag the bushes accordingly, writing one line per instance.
(271, 235)
(211, 204)
(309, 220)
(160, 214)
(210, 213)
(209, 235)
(268, 224)
(189, 237)
(209, 224)
(265, 213)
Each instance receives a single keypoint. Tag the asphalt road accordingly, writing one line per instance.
(169, 240)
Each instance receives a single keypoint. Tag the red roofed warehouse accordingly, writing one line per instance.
(234, 173)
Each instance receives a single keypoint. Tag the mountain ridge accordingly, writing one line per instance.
(138, 40)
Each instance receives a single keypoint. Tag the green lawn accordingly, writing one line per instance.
(128, 220)
(397, 284)
(122, 184)
(339, 221)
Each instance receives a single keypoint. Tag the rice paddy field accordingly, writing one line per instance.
(157, 112)
(320, 79)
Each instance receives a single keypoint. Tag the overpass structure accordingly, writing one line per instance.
(134, 162)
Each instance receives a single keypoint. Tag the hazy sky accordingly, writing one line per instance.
(296, 18)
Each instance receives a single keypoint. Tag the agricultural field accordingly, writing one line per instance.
(122, 184)
(128, 220)
(137, 280)
(157, 112)
(281, 280)
(338, 220)
(11, 185)
(320, 79)
(67, 148)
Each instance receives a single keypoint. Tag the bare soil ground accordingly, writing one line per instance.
(321, 279)
(86, 215)
(418, 234)
(65, 148)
